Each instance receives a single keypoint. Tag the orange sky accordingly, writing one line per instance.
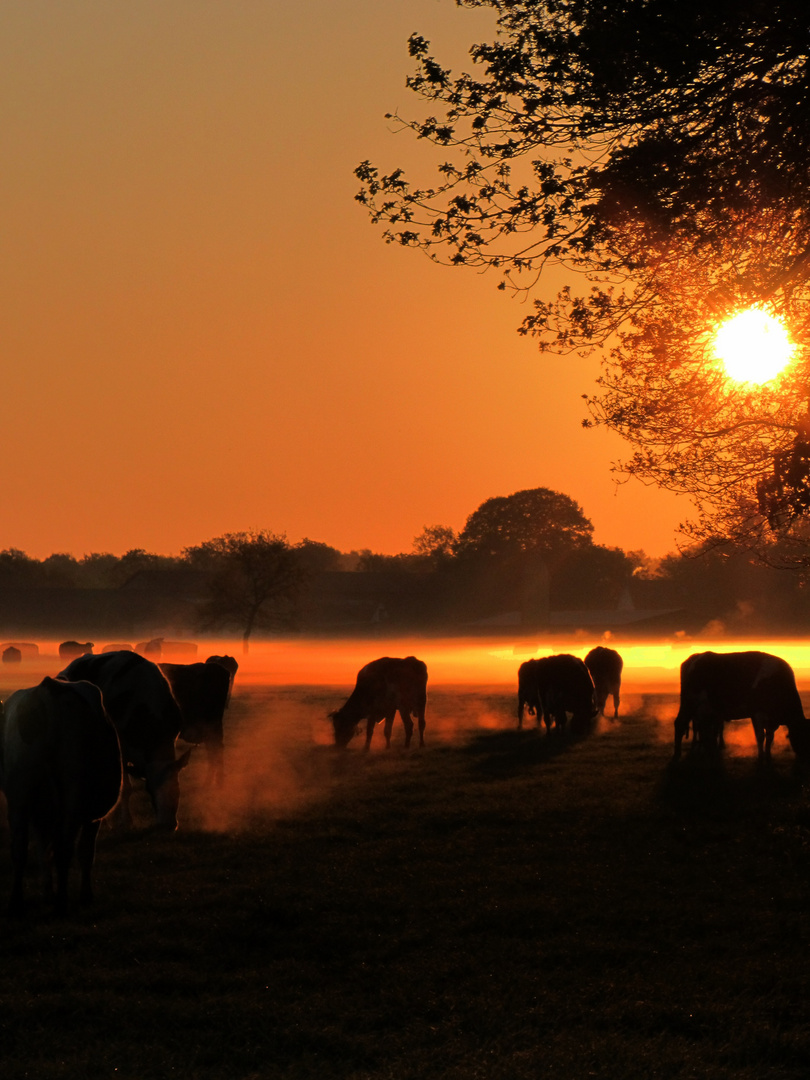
(202, 333)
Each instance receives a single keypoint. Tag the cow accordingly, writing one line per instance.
(553, 686)
(202, 692)
(152, 648)
(716, 687)
(60, 769)
(146, 716)
(383, 688)
(605, 666)
(12, 655)
(27, 649)
(231, 665)
(70, 649)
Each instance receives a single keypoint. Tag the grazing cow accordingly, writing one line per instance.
(70, 649)
(27, 649)
(716, 687)
(152, 648)
(60, 767)
(383, 688)
(12, 655)
(231, 665)
(201, 691)
(605, 666)
(146, 716)
(553, 686)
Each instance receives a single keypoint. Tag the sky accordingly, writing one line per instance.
(202, 331)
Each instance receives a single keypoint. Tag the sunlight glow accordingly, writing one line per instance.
(754, 346)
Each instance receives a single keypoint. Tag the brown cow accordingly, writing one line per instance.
(605, 666)
(716, 687)
(383, 688)
(60, 769)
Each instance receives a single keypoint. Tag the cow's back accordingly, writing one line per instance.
(59, 744)
(738, 685)
(137, 697)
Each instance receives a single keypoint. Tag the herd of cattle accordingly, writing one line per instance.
(69, 746)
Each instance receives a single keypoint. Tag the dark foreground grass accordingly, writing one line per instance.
(499, 905)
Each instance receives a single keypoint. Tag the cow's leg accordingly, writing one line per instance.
(420, 717)
(408, 723)
(86, 850)
(521, 705)
(389, 728)
(216, 767)
(371, 723)
(759, 731)
(681, 732)
(616, 704)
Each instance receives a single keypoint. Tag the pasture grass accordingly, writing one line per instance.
(499, 905)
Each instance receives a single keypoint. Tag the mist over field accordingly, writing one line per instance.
(278, 739)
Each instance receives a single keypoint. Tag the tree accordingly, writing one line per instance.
(660, 149)
(538, 522)
(434, 546)
(255, 579)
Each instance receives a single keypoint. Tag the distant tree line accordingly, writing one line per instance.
(531, 551)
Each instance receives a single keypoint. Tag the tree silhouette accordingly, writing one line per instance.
(660, 148)
(537, 521)
(255, 579)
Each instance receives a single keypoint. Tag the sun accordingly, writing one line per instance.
(754, 346)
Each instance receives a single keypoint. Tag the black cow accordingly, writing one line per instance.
(201, 691)
(60, 769)
(231, 665)
(146, 716)
(605, 666)
(552, 687)
(383, 688)
(70, 649)
(716, 687)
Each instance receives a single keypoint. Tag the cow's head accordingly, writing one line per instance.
(344, 727)
(163, 785)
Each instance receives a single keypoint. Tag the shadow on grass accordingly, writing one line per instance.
(509, 753)
(712, 785)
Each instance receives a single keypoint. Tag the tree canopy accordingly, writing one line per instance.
(538, 521)
(660, 149)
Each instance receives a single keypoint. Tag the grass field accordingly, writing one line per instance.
(498, 905)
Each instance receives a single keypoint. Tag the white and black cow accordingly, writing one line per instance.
(605, 666)
(60, 769)
(716, 687)
(202, 692)
(552, 687)
(146, 716)
(384, 688)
